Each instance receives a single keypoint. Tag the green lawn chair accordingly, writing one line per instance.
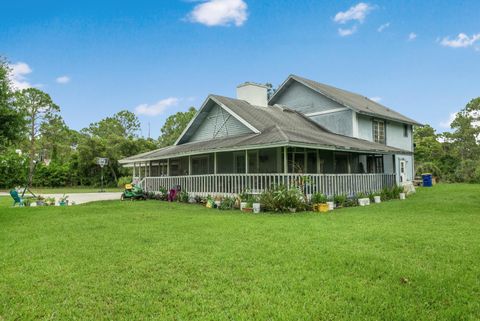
(16, 198)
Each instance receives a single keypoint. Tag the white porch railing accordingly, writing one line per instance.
(329, 184)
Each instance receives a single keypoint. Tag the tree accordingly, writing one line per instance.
(428, 148)
(37, 108)
(466, 134)
(10, 119)
(174, 126)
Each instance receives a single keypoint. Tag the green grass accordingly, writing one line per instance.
(417, 259)
(70, 190)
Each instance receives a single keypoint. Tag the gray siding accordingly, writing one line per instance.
(394, 132)
(305, 100)
(218, 123)
(339, 122)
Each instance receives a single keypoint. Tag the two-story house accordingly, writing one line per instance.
(331, 140)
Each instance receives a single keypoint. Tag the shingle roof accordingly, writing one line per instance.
(278, 127)
(357, 102)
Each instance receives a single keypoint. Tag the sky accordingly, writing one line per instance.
(155, 58)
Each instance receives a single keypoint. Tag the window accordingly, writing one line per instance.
(375, 164)
(405, 130)
(379, 131)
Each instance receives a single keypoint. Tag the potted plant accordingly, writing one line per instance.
(40, 200)
(50, 201)
(218, 201)
(63, 201)
(363, 199)
(243, 196)
(377, 198)
(317, 200)
(255, 205)
(248, 206)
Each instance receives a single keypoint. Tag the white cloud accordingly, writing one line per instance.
(376, 99)
(357, 13)
(63, 80)
(157, 108)
(446, 123)
(383, 27)
(347, 32)
(461, 41)
(18, 75)
(219, 13)
(412, 36)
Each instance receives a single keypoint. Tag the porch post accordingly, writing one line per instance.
(318, 161)
(285, 160)
(150, 168)
(189, 165)
(215, 163)
(133, 170)
(168, 166)
(246, 161)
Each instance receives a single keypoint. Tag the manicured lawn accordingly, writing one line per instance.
(413, 260)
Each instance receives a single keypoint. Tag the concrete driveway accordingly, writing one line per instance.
(81, 198)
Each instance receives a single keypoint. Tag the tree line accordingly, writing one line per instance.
(37, 148)
(451, 156)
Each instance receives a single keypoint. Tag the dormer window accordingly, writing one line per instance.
(379, 131)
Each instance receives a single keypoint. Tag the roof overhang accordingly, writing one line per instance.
(273, 145)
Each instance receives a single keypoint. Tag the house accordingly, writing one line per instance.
(331, 140)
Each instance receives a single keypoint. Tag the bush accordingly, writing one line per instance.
(318, 198)
(227, 203)
(122, 181)
(183, 197)
(340, 200)
(13, 169)
(429, 167)
(281, 199)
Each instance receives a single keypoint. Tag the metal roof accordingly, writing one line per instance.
(277, 126)
(359, 103)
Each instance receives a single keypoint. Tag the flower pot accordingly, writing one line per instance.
(247, 209)
(377, 199)
(402, 196)
(243, 205)
(323, 207)
(363, 201)
(331, 206)
(292, 209)
(256, 207)
(217, 203)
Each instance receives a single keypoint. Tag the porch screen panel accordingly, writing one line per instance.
(200, 164)
(267, 161)
(225, 163)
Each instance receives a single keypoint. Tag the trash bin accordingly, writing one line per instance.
(427, 180)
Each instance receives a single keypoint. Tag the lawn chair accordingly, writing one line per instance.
(16, 198)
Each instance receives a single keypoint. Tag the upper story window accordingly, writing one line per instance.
(379, 131)
(405, 130)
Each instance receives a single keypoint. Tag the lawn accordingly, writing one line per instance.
(417, 259)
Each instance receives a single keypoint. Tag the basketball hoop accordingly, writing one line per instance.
(102, 161)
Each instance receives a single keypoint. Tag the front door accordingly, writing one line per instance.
(403, 171)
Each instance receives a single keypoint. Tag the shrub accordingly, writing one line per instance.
(122, 181)
(318, 198)
(227, 203)
(340, 200)
(281, 199)
(183, 197)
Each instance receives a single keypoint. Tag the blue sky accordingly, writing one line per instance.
(155, 58)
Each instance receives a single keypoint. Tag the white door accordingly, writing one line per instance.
(403, 171)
